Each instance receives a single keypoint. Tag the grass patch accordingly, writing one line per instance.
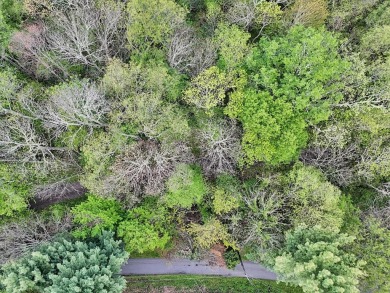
(196, 283)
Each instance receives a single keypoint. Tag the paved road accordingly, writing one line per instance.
(158, 266)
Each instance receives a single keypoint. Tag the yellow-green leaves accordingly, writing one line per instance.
(152, 22)
(233, 45)
(208, 89)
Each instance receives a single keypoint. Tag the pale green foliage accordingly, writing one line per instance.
(226, 195)
(153, 117)
(122, 80)
(224, 202)
(152, 22)
(317, 260)
(95, 215)
(98, 154)
(145, 228)
(315, 200)
(185, 187)
(208, 89)
(28, 275)
(210, 233)
(233, 45)
(68, 266)
(142, 92)
(376, 42)
(293, 81)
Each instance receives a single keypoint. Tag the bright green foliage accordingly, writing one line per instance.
(210, 233)
(14, 191)
(315, 200)
(273, 132)
(293, 81)
(10, 18)
(226, 196)
(152, 22)
(317, 260)
(208, 89)
(374, 248)
(8, 87)
(95, 215)
(146, 228)
(186, 187)
(233, 45)
(68, 266)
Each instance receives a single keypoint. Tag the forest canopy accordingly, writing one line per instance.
(169, 128)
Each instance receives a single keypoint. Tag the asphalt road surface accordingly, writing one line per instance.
(158, 266)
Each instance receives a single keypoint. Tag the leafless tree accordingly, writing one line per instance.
(263, 220)
(78, 31)
(181, 47)
(247, 13)
(375, 160)
(29, 51)
(17, 238)
(143, 169)
(85, 33)
(60, 189)
(220, 147)
(334, 154)
(190, 54)
(19, 142)
(242, 13)
(78, 104)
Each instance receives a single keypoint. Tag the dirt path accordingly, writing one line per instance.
(158, 266)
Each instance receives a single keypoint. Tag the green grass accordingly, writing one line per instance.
(212, 283)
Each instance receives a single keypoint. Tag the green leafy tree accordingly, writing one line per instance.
(226, 194)
(210, 233)
(375, 43)
(317, 259)
(315, 201)
(146, 228)
(233, 45)
(69, 266)
(98, 154)
(208, 89)
(11, 13)
(293, 81)
(95, 215)
(185, 187)
(373, 246)
(14, 191)
(152, 22)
